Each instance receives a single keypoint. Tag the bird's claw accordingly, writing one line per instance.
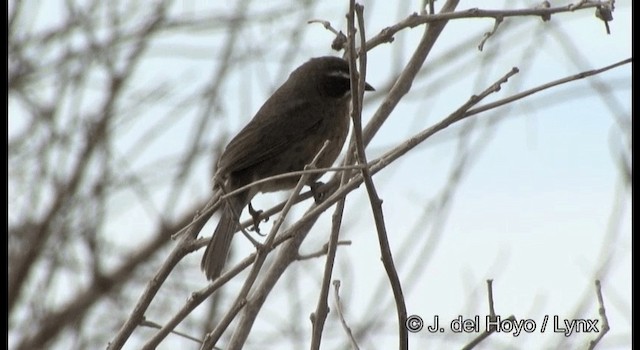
(255, 215)
(318, 194)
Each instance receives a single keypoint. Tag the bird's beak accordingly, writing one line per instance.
(368, 87)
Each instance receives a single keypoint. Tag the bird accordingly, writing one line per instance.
(312, 106)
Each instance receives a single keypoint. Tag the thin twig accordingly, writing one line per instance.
(319, 317)
(357, 94)
(327, 25)
(212, 338)
(492, 310)
(345, 326)
(296, 174)
(542, 87)
(321, 252)
(603, 317)
(386, 35)
(460, 114)
(492, 316)
(484, 335)
(151, 324)
(487, 35)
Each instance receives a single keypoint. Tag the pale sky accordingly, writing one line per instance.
(533, 208)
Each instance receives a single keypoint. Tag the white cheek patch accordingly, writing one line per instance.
(339, 74)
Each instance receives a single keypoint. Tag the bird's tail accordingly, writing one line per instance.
(215, 255)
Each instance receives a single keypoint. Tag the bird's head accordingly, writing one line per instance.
(327, 75)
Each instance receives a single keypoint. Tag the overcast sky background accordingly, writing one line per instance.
(535, 207)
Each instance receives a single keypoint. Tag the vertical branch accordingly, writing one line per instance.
(357, 93)
(322, 309)
(345, 326)
(603, 316)
(492, 316)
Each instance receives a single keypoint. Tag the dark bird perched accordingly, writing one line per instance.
(311, 107)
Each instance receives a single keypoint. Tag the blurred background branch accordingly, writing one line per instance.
(118, 111)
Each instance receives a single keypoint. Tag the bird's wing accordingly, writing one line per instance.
(269, 134)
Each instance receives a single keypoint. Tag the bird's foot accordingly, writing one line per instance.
(316, 190)
(255, 215)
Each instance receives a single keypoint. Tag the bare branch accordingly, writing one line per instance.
(492, 315)
(345, 326)
(603, 317)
